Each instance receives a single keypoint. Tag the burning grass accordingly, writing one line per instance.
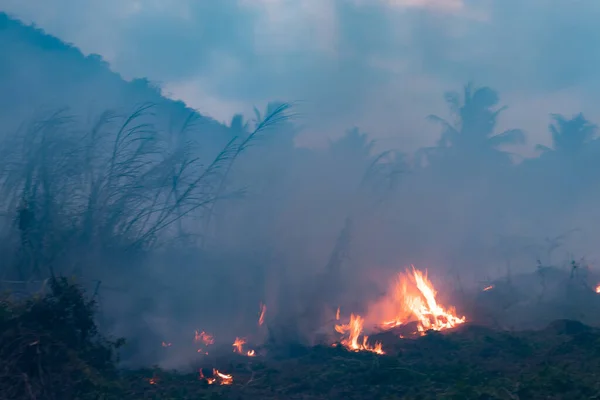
(471, 362)
(51, 349)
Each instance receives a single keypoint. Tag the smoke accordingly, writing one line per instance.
(309, 214)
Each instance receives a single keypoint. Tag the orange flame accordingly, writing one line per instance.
(337, 314)
(485, 289)
(204, 338)
(598, 288)
(238, 345)
(353, 330)
(261, 318)
(414, 297)
(217, 377)
(225, 378)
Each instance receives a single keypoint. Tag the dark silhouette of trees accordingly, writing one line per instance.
(570, 136)
(353, 145)
(471, 136)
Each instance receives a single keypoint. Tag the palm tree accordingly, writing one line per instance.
(238, 126)
(472, 131)
(570, 135)
(354, 146)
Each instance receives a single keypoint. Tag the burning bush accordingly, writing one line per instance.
(50, 347)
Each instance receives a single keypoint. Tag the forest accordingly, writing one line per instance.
(138, 237)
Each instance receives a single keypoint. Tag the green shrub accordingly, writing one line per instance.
(50, 347)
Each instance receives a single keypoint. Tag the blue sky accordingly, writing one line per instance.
(379, 64)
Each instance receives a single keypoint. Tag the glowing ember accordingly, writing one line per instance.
(153, 381)
(238, 345)
(204, 338)
(598, 288)
(353, 330)
(217, 377)
(485, 289)
(413, 297)
(225, 379)
(261, 318)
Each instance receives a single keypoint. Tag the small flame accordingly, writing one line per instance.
(225, 378)
(598, 288)
(337, 314)
(485, 289)
(261, 318)
(353, 330)
(217, 377)
(204, 338)
(153, 380)
(238, 345)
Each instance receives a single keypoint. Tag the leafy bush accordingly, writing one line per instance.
(51, 348)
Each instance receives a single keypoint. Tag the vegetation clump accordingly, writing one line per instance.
(51, 348)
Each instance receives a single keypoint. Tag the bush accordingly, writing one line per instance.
(50, 347)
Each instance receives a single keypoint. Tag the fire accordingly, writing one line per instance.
(353, 331)
(238, 347)
(204, 338)
(225, 378)
(153, 381)
(261, 318)
(217, 377)
(337, 314)
(490, 287)
(413, 297)
(598, 288)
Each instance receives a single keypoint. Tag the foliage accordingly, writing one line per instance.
(570, 135)
(119, 184)
(51, 348)
(472, 133)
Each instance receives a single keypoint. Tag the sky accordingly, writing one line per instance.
(382, 65)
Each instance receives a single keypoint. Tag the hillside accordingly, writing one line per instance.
(40, 73)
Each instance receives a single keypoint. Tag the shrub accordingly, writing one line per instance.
(51, 348)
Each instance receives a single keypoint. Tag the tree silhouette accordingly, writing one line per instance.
(570, 135)
(354, 145)
(471, 134)
(238, 126)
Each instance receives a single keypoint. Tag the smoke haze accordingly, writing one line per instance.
(352, 183)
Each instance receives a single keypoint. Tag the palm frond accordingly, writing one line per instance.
(511, 136)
